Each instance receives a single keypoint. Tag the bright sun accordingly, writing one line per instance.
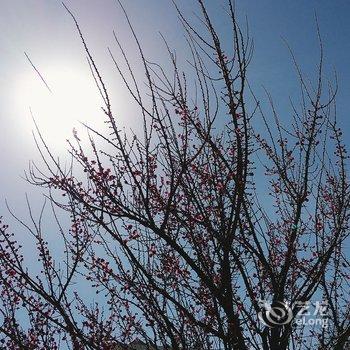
(74, 98)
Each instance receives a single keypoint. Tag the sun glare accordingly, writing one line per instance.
(74, 98)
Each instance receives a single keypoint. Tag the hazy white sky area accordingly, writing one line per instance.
(44, 30)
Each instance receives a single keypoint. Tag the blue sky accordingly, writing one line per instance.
(45, 31)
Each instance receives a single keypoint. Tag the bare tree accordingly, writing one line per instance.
(171, 229)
